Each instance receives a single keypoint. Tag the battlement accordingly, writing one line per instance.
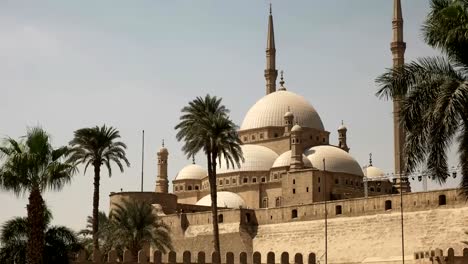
(438, 256)
(201, 257)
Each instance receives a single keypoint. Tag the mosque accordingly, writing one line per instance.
(278, 194)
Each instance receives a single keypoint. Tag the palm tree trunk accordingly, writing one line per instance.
(214, 207)
(36, 226)
(463, 152)
(97, 176)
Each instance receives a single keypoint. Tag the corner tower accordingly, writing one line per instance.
(398, 47)
(162, 184)
(270, 71)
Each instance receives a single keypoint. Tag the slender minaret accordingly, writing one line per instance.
(398, 47)
(342, 137)
(270, 72)
(296, 148)
(162, 184)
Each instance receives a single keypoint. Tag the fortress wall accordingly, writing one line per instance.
(369, 238)
(167, 201)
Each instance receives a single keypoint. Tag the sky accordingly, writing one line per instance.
(66, 65)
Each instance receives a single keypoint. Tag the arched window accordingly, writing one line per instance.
(263, 179)
(196, 187)
(294, 181)
(227, 181)
(265, 203)
(189, 187)
(245, 180)
(176, 188)
(442, 199)
(371, 189)
(388, 205)
(220, 218)
(278, 202)
(254, 180)
(294, 213)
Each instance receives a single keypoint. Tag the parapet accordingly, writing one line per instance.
(438, 256)
(201, 257)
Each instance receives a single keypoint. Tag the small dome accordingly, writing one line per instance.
(342, 127)
(336, 159)
(191, 172)
(285, 160)
(225, 199)
(373, 172)
(289, 114)
(269, 111)
(296, 128)
(256, 158)
(163, 150)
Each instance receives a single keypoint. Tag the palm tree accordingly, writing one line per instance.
(435, 93)
(59, 241)
(105, 236)
(135, 225)
(205, 126)
(98, 146)
(32, 165)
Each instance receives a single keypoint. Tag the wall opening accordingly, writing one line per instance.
(388, 205)
(254, 180)
(442, 199)
(294, 181)
(263, 179)
(294, 214)
(294, 191)
(245, 180)
(307, 189)
(338, 210)
(189, 187)
(220, 218)
(265, 203)
(196, 187)
(278, 202)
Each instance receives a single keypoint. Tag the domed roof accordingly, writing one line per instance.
(191, 172)
(163, 150)
(256, 158)
(285, 160)
(373, 172)
(336, 159)
(270, 111)
(225, 199)
(296, 128)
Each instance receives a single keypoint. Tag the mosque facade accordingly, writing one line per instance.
(290, 171)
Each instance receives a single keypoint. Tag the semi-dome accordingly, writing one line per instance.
(256, 158)
(270, 111)
(191, 172)
(373, 172)
(225, 199)
(336, 159)
(285, 160)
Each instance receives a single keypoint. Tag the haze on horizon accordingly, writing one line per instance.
(65, 65)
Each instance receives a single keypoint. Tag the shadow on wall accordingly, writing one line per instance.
(200, 257)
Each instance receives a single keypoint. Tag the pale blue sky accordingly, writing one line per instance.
(135, 64)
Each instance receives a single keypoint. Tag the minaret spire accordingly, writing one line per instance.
(398, 47)
(270, 72)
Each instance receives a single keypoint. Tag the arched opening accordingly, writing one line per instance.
(263, 179)
(298, 259)
(229, 258)
(172, 257)
(338, 210)
(311, 258)
(257, 258)
(247, 217)
(372, 189)
(243, 258)
(442, 199)
(200, 257)
(254, 180)
(285, 258)
(271, 258)
(388, 205)
(187, 257)
(189, 187)
(245, 180)
(265, 203)
(294, 213)
(220, 218)
(196, 187)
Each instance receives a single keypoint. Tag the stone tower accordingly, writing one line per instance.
(398, 47)
(270, 72)
(288, 122)
(296, 147)
(162, 184)
(342, 137)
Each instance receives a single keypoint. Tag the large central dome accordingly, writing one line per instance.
(270, 110)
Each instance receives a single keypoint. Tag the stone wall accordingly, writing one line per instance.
(167, 201)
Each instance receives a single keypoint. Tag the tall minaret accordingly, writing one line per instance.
(398, 47)
(162, 184)
(270, 72)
